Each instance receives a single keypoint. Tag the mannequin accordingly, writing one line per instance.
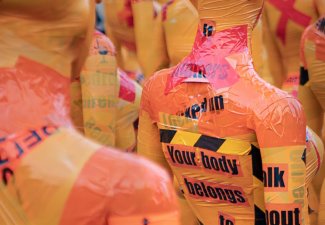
(51, 170)
(111, 97)
(311, 90)
(212, 109)
(135, 29)
(180, 20)
(287, 21)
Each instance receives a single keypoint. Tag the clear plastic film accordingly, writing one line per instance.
(49, 168)
(236, 144)
(287, 21)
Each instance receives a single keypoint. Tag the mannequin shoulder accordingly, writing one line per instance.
(158, 81)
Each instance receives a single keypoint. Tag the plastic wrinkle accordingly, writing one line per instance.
(220, 73)
(16, 85)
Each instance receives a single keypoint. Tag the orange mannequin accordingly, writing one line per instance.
(180, 20)
(223, 132)
(51, 170)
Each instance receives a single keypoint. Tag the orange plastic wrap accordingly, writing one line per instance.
(57, 176)
(180, 20)
(90, 176)
(236, 145)
(287, 21)
(311, 90)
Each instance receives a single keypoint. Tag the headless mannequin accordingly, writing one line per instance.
(44, 45)
(311, 91)
(129, 24)
(287, 21)
(180, 20)
(110, 121)
(215, 95)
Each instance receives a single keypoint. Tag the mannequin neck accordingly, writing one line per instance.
(216, 42)
(215, 57)
(32, 95)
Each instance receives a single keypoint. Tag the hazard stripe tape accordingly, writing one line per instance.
(220, 145)
(257, 163)
(203, 141)
(166, 136)
(260, 216)
(304, 76)
(225, 146)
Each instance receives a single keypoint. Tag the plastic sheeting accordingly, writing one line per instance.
(236, 145)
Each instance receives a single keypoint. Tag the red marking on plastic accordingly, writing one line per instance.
(127, 87)
(288, 13)
(214, 65)
(164, 9)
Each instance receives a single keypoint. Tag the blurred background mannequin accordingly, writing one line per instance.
(45, 164)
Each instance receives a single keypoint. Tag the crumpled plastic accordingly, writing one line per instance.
(236, 144)
(180, 21)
